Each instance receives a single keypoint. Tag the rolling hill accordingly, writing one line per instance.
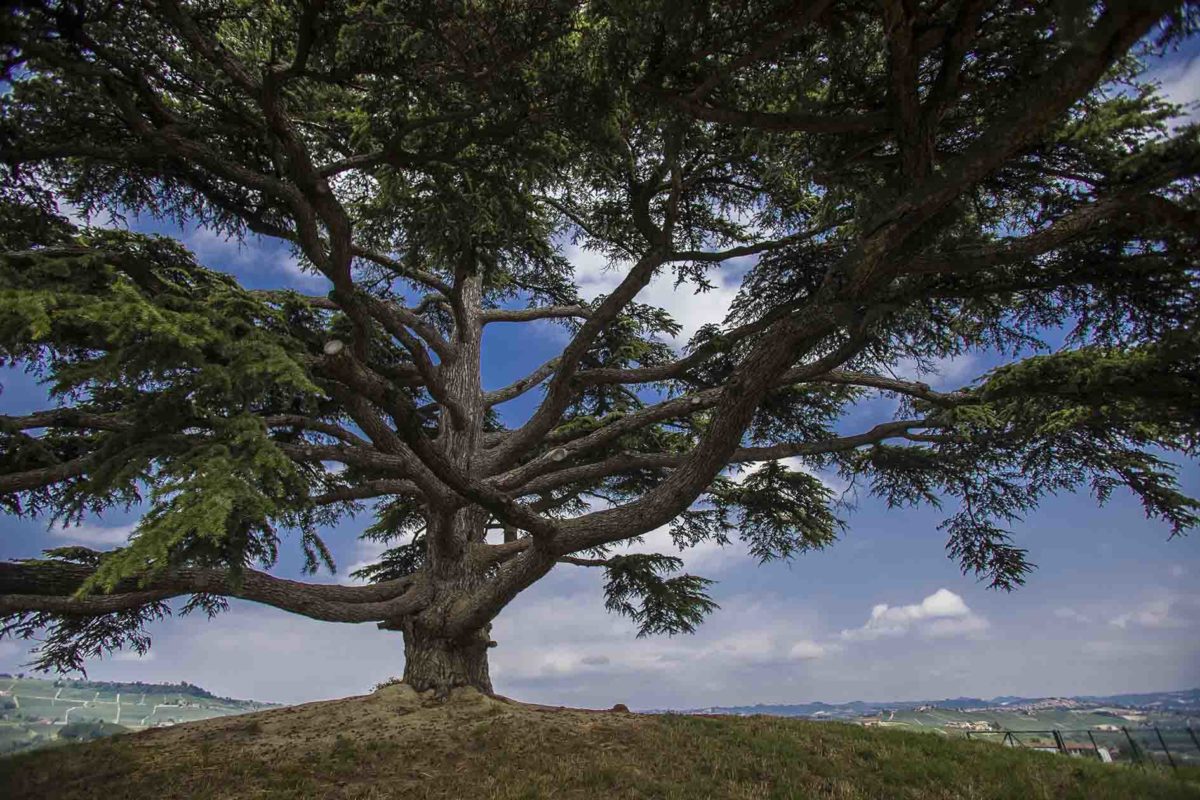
(397, 744)
(34, 713)
(1186, 701)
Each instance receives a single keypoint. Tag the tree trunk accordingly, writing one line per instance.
(433, 662)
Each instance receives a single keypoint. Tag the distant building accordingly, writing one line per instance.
(970, 725)
(1076, 749)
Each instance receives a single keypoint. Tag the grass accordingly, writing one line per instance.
(396, 744)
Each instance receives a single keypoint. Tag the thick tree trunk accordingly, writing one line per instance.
(431, 662)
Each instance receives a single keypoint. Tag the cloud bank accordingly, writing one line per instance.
(940, 615)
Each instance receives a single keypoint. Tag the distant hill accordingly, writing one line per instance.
(1186, 701)
(396, 744)
(43, 713)
(113, 687)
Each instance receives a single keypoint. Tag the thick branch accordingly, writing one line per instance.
(66, 418)
(519, 387)
(319, 426)
(916, 389)
(916, 150)
(43, 476)
(1053, 92)
(560, 390)
(367, 490)
(625, 462)
(1093, 219)
(396, 319)
(31, 586)
(530, 314)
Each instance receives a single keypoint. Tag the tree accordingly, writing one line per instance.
(899, 182)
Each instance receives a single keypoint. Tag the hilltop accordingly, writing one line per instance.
(394, 743)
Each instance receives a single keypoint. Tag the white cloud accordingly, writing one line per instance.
(132, 655)
(746, 635)
(951, 372)
(955, 627)
(222, 252)
(687, 306)
(1180, 83)
(807, 650)
(76, 216)
(709, 557)
(92, 534)
(940, 615)
(706, 558)
(1167, 612)
(1071, 615)
(367, 552)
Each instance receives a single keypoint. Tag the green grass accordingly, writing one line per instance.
(395, 744)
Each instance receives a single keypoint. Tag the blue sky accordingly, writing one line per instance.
(884, 614)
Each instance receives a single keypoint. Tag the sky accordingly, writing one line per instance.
(1114, 606)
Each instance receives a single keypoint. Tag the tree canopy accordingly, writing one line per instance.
(895, 182)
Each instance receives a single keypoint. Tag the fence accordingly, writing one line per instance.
(1150, 745)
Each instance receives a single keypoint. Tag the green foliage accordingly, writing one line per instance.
(67, 641)
(395, 562)
(1094, 417)
(216, 506)
(776, 511)
(91, 729)
(782, 512)
(1143, 392)
(635, 588)
(800, 413)
(114, 310)
(127, 323)
(396, 519)
(407, 146)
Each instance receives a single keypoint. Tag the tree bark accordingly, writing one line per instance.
(442, 664)
(434, 658)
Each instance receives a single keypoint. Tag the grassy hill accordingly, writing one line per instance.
(34, 713)
(396, 744)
